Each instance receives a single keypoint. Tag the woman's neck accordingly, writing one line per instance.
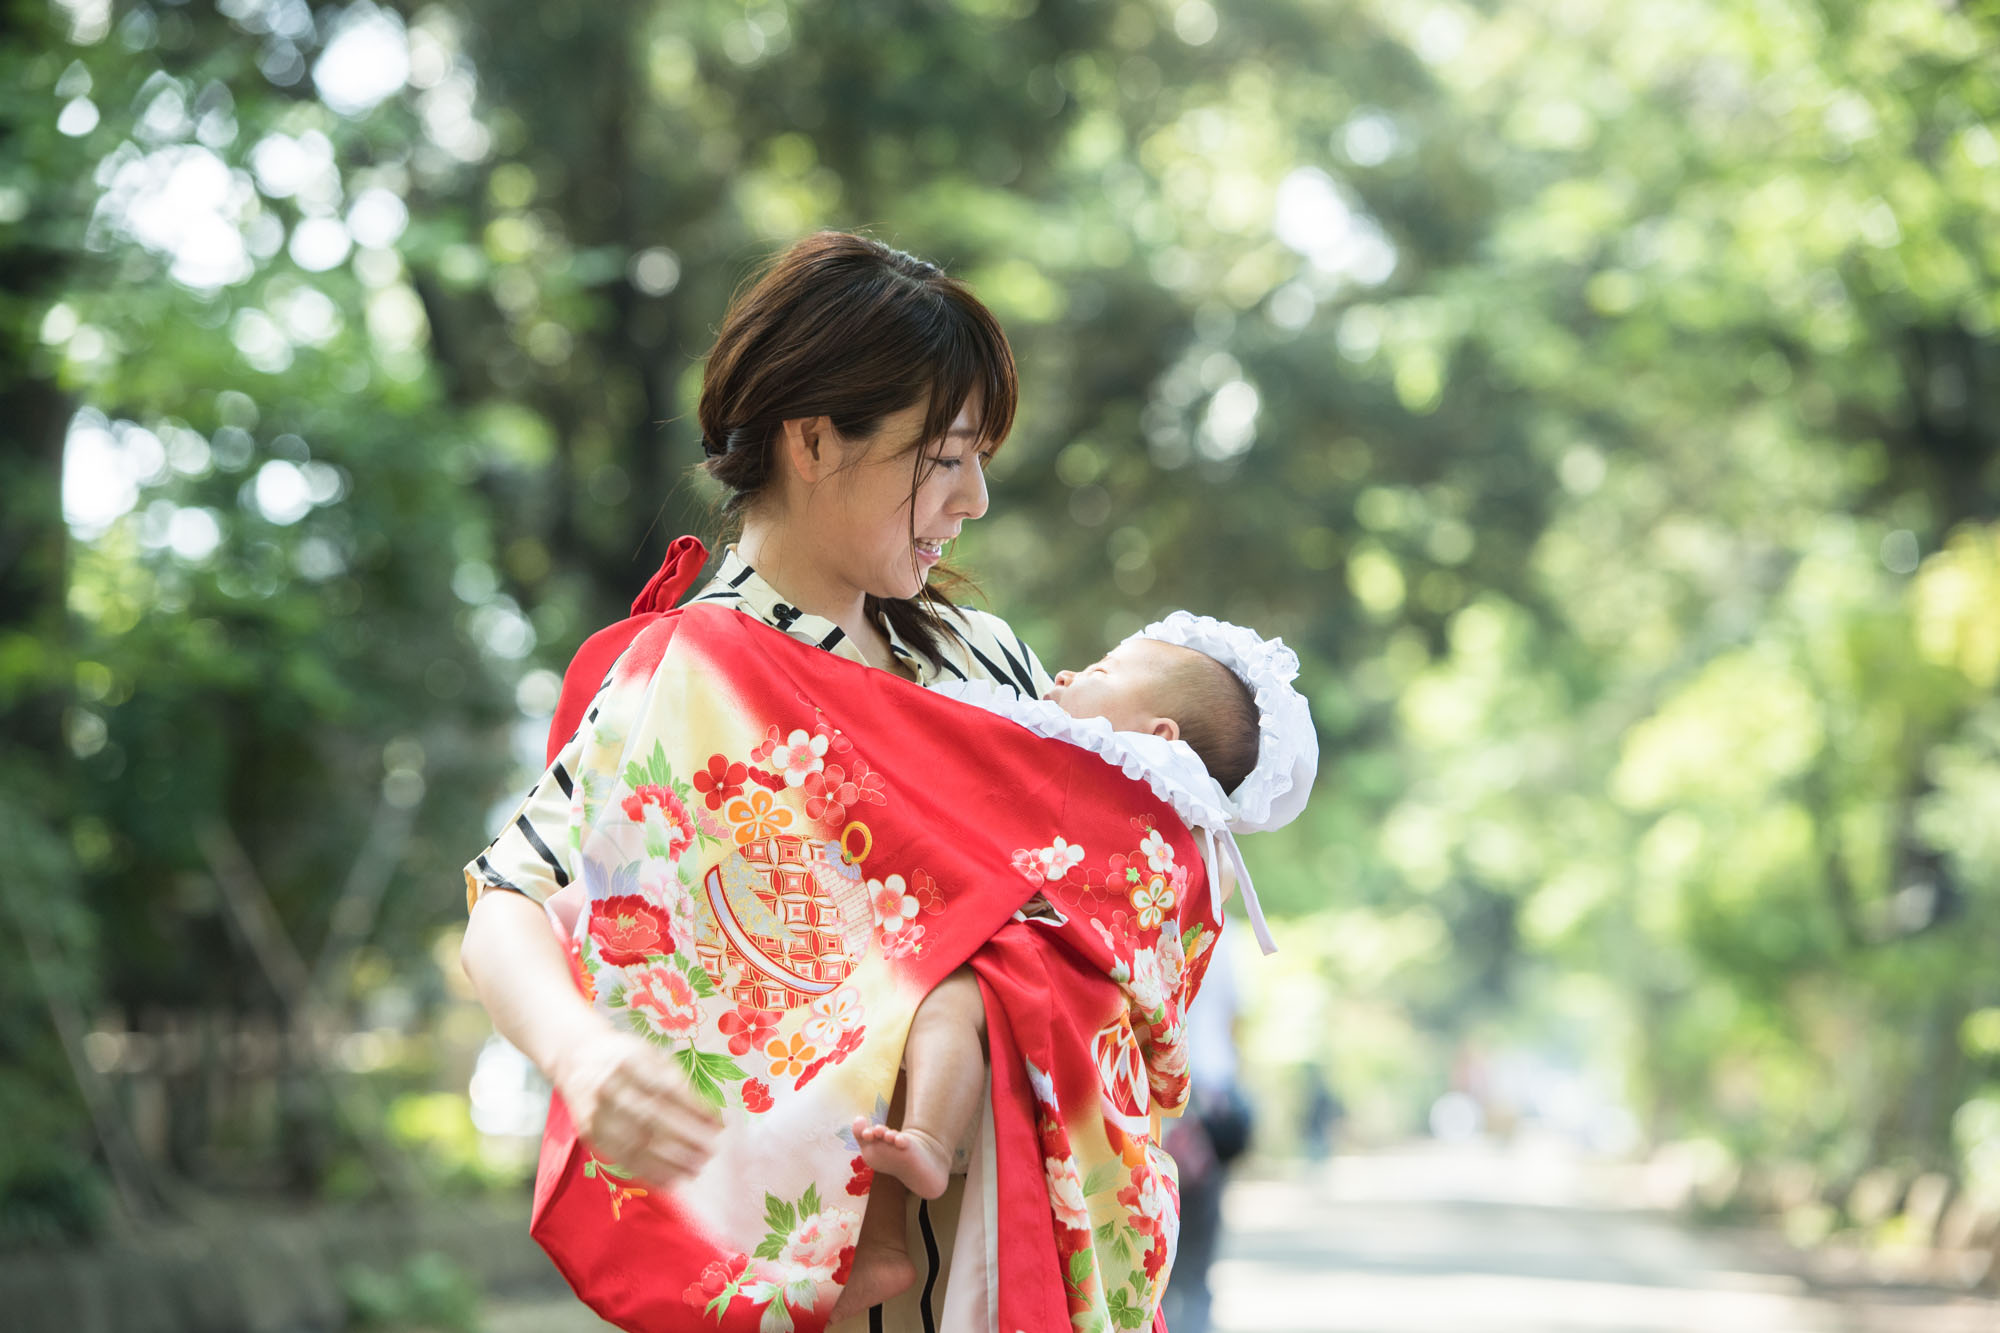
(806, 583)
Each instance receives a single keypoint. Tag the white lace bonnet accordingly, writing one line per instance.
(1271, 796)
(1287, 746)
(1276, 789)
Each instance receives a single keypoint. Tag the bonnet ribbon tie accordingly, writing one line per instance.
(1242, 872)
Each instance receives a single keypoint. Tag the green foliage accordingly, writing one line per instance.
(429, 1294)
(707, 1072)
(1602, 402)
(49, 1190)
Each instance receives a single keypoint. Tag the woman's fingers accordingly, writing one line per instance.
(663, 1079)
(635, 1107)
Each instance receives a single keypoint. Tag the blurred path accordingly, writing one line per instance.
(1433, 1241)
(1474, 1241)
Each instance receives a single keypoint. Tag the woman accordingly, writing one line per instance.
(850, 405)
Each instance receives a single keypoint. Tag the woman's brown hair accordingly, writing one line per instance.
(844, 327)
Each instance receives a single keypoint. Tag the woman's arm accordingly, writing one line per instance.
(628, 1100)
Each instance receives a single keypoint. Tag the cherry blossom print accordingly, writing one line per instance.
(798, 756)
(709, 824)
(904, 943)
(747, 1026)
(849, 1043)
(1030, 866)
(929, 896)
(1119, 936)
(1152, 900)
(1059, 858)
(789, 1057)
(895, 907)
(1121, 872)
(833, 1016)
(628, 929)
(756, 817)
(720, 780)
(1159, 853)
(834, 790)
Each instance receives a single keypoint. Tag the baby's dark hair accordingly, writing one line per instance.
(1217, 716)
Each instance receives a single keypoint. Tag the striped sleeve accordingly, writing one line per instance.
(998, 654)
(533, 852)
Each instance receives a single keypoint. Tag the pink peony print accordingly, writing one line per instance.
(815, 1245)
(628, 929)
(1066, 1193)
(664, 1000)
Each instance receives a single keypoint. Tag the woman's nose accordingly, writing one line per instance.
(969, 496)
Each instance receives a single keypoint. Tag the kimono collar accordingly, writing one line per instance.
(736, 583)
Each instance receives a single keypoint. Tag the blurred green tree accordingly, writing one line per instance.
(1604, 402)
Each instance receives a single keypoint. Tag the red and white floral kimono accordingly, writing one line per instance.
(782, 852)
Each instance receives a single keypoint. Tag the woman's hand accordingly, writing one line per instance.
(627, 1098)
(633, 1105)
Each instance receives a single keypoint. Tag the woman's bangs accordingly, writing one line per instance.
(974, 359)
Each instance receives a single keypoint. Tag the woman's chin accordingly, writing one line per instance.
(904, 584)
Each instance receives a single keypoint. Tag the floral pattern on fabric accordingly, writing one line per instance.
(776, 871)
(1113, 1194)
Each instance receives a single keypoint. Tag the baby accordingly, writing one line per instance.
(1194, 721)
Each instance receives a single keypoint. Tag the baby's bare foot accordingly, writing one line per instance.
(910, 1155)
(879, 1272)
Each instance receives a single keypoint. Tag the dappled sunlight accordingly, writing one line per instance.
(1601, 401)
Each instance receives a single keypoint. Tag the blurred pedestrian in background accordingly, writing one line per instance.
(1215, 1131)
(1320, 1114)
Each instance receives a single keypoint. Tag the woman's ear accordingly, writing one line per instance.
(1165, 728)
(804, 444)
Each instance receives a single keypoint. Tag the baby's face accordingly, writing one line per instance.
(1127, 687)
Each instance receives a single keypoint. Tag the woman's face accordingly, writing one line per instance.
(863, 513)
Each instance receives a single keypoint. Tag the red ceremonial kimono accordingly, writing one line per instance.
(780, 852)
